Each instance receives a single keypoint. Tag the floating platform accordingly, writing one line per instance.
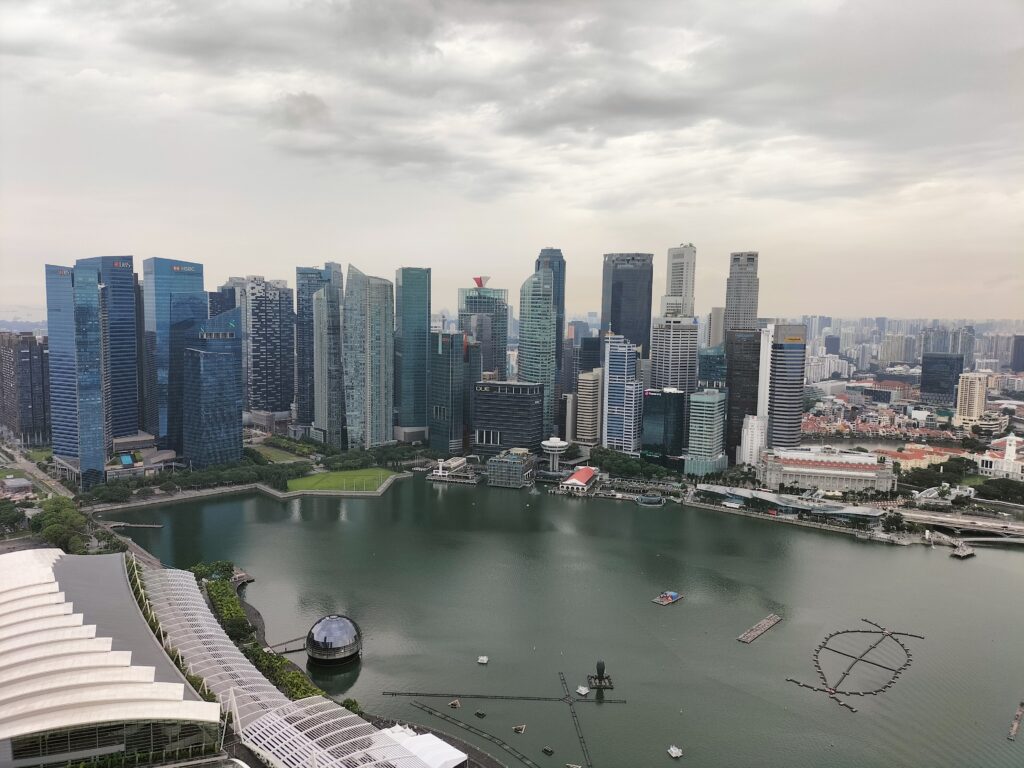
(547, 751)
(962, 552)
(519, 728)
(600, 683)
(1015, 725)
(760, 628)
(674, 752)
(455, 704)
(667, 598)
(480, 713)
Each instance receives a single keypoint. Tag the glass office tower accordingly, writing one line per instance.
(447, 381)
(173, 293)
(551, 258)
(212, 385)
(412, 348)
(308, 280)
(368, 335)
(483, 314)
(626, 288)
(328, 369)
(538, 358)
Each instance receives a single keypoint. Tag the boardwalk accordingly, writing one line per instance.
(760, 628)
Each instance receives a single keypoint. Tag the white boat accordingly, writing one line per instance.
(582, 690)
(482, 659)
(675, 752)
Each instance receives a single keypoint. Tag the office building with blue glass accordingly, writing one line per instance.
(173, 293)
(94, 381)
(447, 416)
(552, 258)
(211, 414)
(412, 349)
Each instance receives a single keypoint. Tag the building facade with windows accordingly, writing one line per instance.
(308, 280)
(705, 454)
(741, 293)
(368, 351)
(446, 402)
(622, 396)
(328, 369)
(538, 361)
(412, 351)
(483, 315)
(507, 414)
(25, 388)
(626, 288)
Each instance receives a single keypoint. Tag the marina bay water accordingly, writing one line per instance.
(437, 576)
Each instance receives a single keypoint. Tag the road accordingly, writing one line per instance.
(39, 476)
(1002, 526)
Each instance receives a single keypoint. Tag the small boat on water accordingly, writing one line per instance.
(582, 690)
(573, 765)
(519, 728)
(480, 713)
(675, 752)
(482, 659)
(547, 751)
(667, 598)
(455, 704)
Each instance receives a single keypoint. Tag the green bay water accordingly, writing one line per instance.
(437, 576)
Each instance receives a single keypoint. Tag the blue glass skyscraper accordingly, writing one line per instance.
(551, 258)
(368, 337)
(308, 280)
(412, 345)
(60, 323)
(211, 414)
(173, 293)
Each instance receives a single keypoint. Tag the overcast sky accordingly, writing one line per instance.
(870, 150)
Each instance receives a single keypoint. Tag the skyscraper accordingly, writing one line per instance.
(711, 368)
(507, 414)
(268, 342)
(784, 347)
(970, 398)
(551, 258)
(173, 293)
(626, 287)
(588, 408)
(483, 314)
(716, 331)
(308, 280)
(537, 351)
(940, 372)
(622, 396)
(1017, 354)
(446, 415)
(368, 334)
(706, 452)
(742, 366)
(91, 322)
(674, 353)
(211, 405)
(664, 417)
(25, 388)
(412, 350)
(328, 367)
(679, 281)
(741, 289)
(578, 330)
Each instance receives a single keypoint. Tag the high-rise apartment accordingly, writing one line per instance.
(328, 367)
(742, 356)
(674, 353)
(412, 351)
(679, 281)
(446, 414)
(483, 314)
(537, 352)
(308, 280)
(705, 454)
(971, 396)
(25, 388)
(626, 286)
(212, 398)
(622, 396)
(551, 258)
(368, 333)
(268, 342)
(741, 290)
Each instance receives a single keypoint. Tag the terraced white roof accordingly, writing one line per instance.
(58, 671)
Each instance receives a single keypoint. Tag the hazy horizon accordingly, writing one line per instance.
(869, 151)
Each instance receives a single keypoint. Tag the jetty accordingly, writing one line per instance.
(760, 628)
(1015, 725)
(962, 551)
(123, 524)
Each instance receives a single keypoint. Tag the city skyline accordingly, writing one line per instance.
(863, 145)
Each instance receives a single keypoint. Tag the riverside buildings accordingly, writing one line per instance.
(588, 422)
(622, 396)
(940, 372)
(368, 358)
(446, 415)
(626, 287)
(412, 350)
(24, 388)
(705, 454)
(743, 358)
(308, 280)
(507, 414)
(537, 336)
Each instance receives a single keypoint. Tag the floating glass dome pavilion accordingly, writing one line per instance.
(334, 639)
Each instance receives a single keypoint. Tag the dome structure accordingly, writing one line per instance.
(334, 639)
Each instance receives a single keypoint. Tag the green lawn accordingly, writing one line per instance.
(12, 472)
(343, 480)
(40, 454)
(973, 480)
(275, 455)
